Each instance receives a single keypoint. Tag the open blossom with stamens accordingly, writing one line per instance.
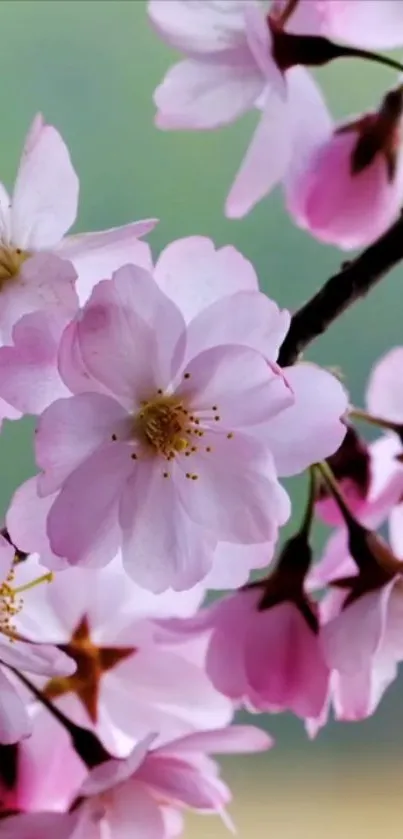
(128, 678)
(35, 269)
(231, 67)
(37, 658)
(175, 433)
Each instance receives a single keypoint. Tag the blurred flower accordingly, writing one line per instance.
(150, 789)
(373, 24)
(38, 658)
(129, 679)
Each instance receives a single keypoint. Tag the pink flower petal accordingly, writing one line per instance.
(198, 28)
(107, 775)
(200, 95)
(14, 721)
(235, 739)
(29, 376)
(45, 194)
(169, 551)
(96, 256)
(45, 281)
(39, 826)
(194, 274)
(310, 429)
(352, 638)
(266, 159)
(70, 431)
(367, 23)
(284, 662)
(128, 334)
(385, 391)
(177, 781)
(233, 564)
(246, 390)
(247, 318)
(236, 497)
(135, 814)
(26, 522)
(89, 498)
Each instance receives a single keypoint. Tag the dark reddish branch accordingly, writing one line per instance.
(354, 281)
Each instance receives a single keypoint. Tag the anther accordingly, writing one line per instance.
(133, 456)
(114, 437)
(187, 376)
(230, 435)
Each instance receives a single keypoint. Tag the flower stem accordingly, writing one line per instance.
(85, 743)
(354, 281)
(324, 469)
(379, 422)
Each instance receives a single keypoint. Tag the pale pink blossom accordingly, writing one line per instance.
(148, 792)
(268, 657)
(34, 255)
(20, 651)
(347, 189)
(229, 69)
(362, 627)
(129, 678)
(374, 24)
(112, 361)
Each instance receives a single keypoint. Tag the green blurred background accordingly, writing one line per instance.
(91, 68)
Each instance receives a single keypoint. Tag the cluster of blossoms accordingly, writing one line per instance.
(165, 423)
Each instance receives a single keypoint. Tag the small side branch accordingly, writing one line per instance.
(354, 281)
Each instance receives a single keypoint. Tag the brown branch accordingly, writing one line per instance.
(354, 281)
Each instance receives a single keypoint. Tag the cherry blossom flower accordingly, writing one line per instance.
(347, 188)
(374, 24)
(17, 651)
(270, 658)
(128, 678)
(361, 619)
(166, 420)
(35, 257)
(150, 789)
(230, 68)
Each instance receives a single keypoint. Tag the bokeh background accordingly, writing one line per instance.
(91, 68)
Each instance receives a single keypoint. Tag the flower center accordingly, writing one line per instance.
(11, 260)
(10, 604)
(164, 425)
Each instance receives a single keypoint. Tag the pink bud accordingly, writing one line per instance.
(349, 189)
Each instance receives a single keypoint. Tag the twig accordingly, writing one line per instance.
(354, 281)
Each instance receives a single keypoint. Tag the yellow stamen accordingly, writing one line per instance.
(11, 260)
